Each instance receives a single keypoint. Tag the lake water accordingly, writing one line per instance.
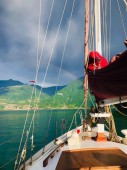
(11, 127)
(12, 123)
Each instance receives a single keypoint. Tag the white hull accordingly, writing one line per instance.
(75, 142)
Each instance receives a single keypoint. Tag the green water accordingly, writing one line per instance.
(11, 126)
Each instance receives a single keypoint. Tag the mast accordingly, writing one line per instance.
(86, 48)
(98, 26)
(86, 52)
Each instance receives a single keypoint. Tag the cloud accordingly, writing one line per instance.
(19, 39)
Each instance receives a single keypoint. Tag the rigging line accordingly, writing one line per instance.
(65, 44)
(109, 31)
(39, 58)
(54, 42)
(39, 27)
(31, 94)
(103, 10)
(75, 114)
(105, 29)
(64, 49)
(42, 49)
(52, 49)
(91, 28)
(23, 131)
(122, 19)
(7, 162)
(49, 61)
(125, 2)
(32, 89)
(91, 99)
(119, 111)
(106, 33)
(46, 134)
(53, 46)
(38, 43)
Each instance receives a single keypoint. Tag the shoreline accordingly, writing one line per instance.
(42, 109)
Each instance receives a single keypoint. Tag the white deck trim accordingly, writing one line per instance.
(74, 142)
(100, 114)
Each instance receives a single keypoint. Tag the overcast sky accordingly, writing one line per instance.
(19, 20)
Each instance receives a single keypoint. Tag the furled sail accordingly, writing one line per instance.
(110, 81)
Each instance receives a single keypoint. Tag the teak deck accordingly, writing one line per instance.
(93, 159)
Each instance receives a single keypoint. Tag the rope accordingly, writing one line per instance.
(91, 35)
(119, 111)
(75, 121)
(49, 63)
(60, 64)
(38, 63)
(112, 129)
(109, 31)
(23, 132)
(74, 116)
(52, 48)
(23, 154)
(31, 94)
(45, 138)
(125, 2)
(39, 26)
(122, 19)
(42, 49)
(64, 49)
(65, 45)
(89, 94)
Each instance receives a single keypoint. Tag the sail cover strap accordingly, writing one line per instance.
(110, 81)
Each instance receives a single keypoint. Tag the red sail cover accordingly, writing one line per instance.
(96, 61)
(110, 81)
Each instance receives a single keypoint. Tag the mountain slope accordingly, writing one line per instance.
(50, 90)
(27, 97)
(10, 82)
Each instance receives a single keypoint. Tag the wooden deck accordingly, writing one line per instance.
(93, 159)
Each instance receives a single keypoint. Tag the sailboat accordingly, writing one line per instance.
(87, 146)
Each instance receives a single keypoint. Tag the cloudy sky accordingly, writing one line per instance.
(25, 57)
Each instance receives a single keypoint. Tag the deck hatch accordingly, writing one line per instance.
(93, 159)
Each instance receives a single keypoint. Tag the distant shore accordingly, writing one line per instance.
(41, 109)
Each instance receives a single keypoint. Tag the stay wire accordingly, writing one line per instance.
(122, 19)
(48, 63)
(60, 68)
(16, 161)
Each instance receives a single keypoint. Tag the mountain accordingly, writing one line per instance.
(50, 90)
(19, 96)
(10, 82)
(4, 84)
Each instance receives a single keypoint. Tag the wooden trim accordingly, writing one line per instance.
(109, 168)
(93, 149)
